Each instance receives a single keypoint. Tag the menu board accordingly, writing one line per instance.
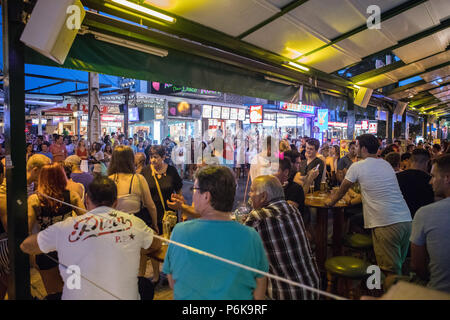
(234, 114)
(225, 113)
(241, 115)
(207, 109)
(216, 112)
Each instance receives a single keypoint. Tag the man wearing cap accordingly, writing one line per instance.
(77, 175)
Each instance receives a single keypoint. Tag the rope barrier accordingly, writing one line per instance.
(201, 252)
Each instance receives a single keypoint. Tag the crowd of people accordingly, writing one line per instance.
(76, 189)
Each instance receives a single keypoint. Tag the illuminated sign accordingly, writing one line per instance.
(373, 127)
(216, 111)
(337, 124)
(225, 113)
(60, 119)
(256, 114)
(241, 115)
(36, 121)
(233, 114)
(297, 107)
(207, 110)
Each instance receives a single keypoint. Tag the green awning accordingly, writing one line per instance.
(183, 69)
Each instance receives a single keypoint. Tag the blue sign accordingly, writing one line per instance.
(322, 119)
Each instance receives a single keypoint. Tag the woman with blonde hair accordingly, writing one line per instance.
(46, 211)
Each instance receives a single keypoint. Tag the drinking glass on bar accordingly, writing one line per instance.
(311, 188)
(323, 187)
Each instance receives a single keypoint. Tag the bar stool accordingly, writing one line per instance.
(342, 271)
(361, 244)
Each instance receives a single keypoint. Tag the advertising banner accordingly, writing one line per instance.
(322, 119)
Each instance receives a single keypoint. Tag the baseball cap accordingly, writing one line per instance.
(73, 160)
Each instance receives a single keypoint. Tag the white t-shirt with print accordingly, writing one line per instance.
(105, 244)
(382, 199)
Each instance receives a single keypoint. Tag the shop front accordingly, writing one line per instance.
(295, 120)
(184, 120)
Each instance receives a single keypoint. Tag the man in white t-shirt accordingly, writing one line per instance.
(99, 252)
(384, 208)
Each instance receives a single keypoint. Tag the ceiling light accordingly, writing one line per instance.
(296, 65)
(356, 86)
(439, 80)
(130, 44)
(148, 11)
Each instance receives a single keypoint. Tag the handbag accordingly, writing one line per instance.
(170, 218)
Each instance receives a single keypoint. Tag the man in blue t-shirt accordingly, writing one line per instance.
(197, 277)
(430, 237)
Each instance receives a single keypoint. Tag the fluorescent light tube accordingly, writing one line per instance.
(296, 65)
(148, 11)
(130, 44)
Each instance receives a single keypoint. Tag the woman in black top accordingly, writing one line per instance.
(169, 182)
(45, 212)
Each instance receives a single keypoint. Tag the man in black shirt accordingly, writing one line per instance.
(415, 182)
(293, 192)
(312, 161)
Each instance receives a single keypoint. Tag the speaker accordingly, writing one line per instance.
(53, 26)
(400, 108)
(363, 97)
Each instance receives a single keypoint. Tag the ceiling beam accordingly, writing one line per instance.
(413, 85)
(376, 72)
(388, 68)
(442, 26)
(442, 65)
(46, 86)
(287, 8)
(384, 16)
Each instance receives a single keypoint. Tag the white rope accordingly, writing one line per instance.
(201, 252)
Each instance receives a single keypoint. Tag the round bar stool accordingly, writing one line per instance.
(360, 243)
(342, 271)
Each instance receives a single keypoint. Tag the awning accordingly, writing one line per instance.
(89, 54)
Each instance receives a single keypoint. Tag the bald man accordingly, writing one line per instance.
(281, 228)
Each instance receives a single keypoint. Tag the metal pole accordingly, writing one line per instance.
(125, 113)
(16, 180)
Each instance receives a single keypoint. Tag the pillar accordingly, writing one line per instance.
(94, 129)
(14, 115)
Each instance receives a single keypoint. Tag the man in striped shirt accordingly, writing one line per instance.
(281, 228)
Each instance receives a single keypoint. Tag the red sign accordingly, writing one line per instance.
(373, 127)
(256, 114)
(364, 124)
